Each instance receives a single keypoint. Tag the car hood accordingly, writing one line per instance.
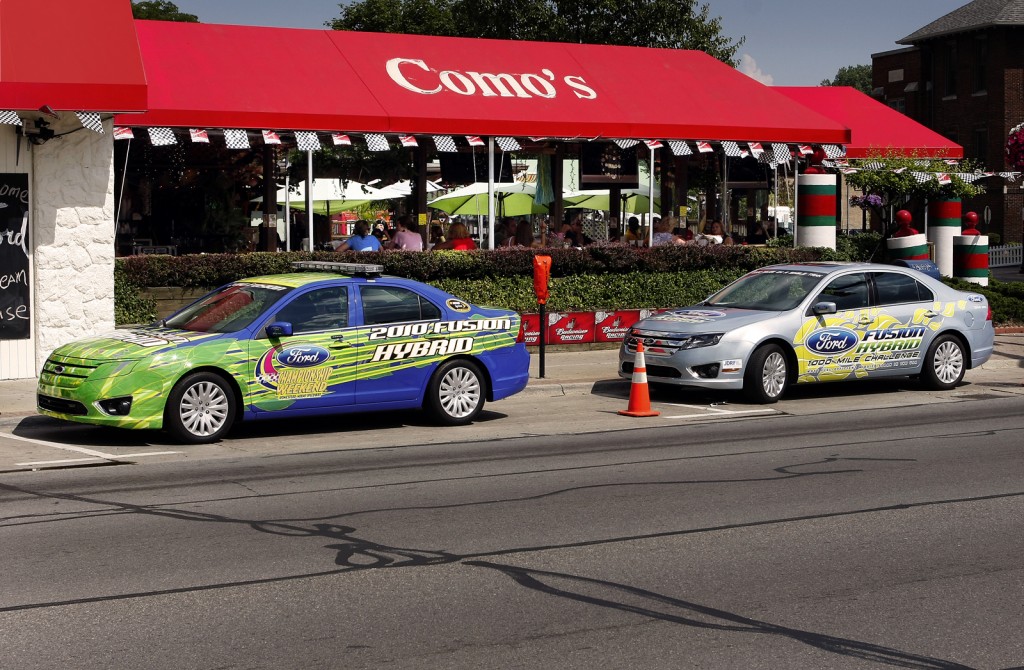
(701, 319)
(130, 343)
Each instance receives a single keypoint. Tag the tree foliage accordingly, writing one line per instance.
(161, 10)
(856, 76)
(671, 24)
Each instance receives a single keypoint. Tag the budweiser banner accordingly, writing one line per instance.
(613, 326)
(531, 329)
(570, 328)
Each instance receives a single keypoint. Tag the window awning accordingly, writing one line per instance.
(206, 75)
(80, 56)
(875, 127)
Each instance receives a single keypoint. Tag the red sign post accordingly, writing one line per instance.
(541, 279)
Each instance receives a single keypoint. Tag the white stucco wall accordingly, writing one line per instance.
(73, 232)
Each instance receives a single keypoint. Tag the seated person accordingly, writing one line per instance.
(362, 240)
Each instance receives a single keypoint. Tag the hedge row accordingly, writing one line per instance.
(210, 270)
(599, 277)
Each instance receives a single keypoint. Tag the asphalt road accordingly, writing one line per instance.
(878, 537)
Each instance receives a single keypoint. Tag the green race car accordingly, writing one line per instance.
(342, 339)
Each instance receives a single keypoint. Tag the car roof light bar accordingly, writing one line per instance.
(355, 269)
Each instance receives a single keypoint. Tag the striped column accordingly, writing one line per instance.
(909, 248)
(970, 258)
(943, 226)
(816, 210)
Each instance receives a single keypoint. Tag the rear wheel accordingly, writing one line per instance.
(944, 366)
(456, 392)
(767, 375)
(200, 409)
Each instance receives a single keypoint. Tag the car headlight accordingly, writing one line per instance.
(697, 341)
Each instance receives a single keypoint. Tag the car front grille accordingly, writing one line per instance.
(66, 373)
(657, 344)
(662, 371)
(61, 405)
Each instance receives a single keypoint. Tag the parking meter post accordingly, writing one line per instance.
(541, 279)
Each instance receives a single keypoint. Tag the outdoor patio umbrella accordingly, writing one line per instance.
(331, 196)
(634, 201)
(511, 199)
(403, 187)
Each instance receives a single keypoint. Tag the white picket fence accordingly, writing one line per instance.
(1006, 255)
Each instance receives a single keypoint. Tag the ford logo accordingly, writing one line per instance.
(830, 341)
(302, 356)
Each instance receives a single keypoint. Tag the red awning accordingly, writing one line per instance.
(204, 75)
(875, 127)
(80, 55)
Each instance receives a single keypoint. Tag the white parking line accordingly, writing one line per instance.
(714, 411)
(92, 453)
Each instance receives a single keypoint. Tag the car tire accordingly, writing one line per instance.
(456, 392)
(944, 364)
(200, 409)
(767, 375)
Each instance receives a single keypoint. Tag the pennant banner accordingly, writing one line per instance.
(680, 148)
(199, 135)
(408, 141)
(236, 138)
(123, 133)
(377, 142)
(833, 150)
(306, 140)
(271, 137)
(755, 148)
(804, 149)
(782, 153)
(653, 144)
(91, 120)
(445, 144)
(731, 149)
(10, 118)
(474, 140)
(162, 137)
(704, 147)
(341, 140)
(625, 144)
(507, 143)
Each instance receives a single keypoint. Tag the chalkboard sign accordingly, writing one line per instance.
(15, 290)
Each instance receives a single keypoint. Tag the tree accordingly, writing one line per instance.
(671, 24)
(161, 10)
(856, 76)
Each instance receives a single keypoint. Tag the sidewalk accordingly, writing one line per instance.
(566, 372)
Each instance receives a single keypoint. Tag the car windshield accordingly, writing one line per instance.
(767, 290)
(228, 309)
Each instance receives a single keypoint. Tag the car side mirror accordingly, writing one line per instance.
(824, 308)
(279, 329)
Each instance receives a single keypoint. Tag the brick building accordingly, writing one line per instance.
(963, 76)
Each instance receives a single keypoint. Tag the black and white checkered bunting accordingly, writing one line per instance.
(508, 143)
(680, 148)
(162, 137)
(731, 149)
(9, 118)
(833, 151)
(781, 152)
(625, 144)
(91, 120)
(236, 138)
(445, 144)
(376, 142)
(306, 140)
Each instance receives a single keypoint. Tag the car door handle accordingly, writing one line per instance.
(338, 342)
(866, 319)
(931, 314)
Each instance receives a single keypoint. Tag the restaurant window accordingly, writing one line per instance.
(950, 65)
(899, 104)
(981, 145)
(980, 70)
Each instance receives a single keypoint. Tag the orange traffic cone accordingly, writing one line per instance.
(639, 398)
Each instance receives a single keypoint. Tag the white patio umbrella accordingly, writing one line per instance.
(403, 187)
(512, 199)
(331, 196)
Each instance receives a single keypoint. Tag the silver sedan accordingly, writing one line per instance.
(816, 322)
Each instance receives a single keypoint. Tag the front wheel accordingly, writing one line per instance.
(767, 375)
(200, 408)
(456, 392)
(943, 364)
